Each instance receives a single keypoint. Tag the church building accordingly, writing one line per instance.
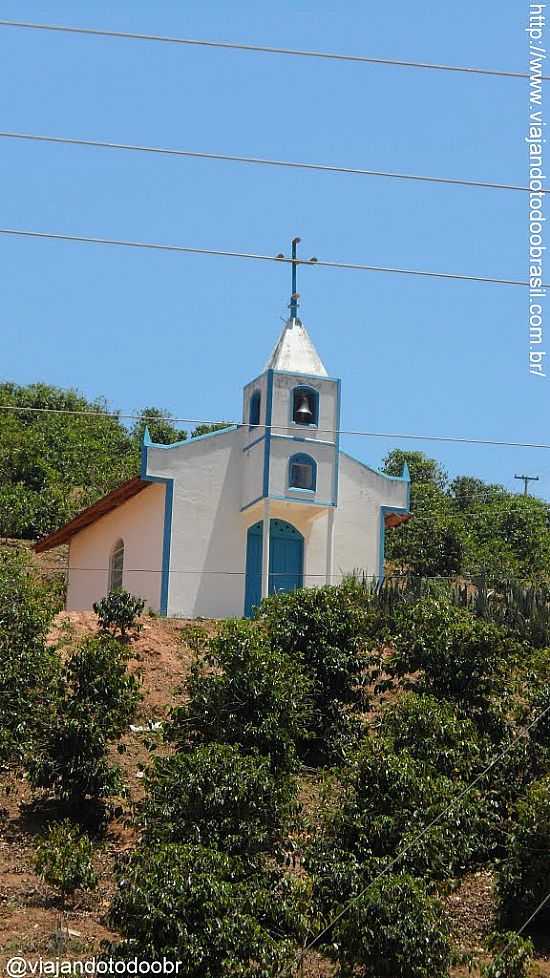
(213, 524)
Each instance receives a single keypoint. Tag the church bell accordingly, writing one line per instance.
(303, 413)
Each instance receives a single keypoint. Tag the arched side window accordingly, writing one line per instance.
(305, 406)
(116, 566)
(302, 472)
(254, 409)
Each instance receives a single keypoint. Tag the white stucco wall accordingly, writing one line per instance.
(207, 551)
(139, 523)
(362, 492)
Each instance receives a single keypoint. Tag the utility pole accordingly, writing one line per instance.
(526, 479)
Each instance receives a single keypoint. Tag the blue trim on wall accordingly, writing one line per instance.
(189, 441)
(253, 503)
(384, 510)
(296, 499)
(383, 475)
(268, 416)
(301, 457)
(303, 438)
(168, 511)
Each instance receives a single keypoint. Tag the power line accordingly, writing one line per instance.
(266, 49)
(181, 249)
(118, 415)
(262, 161)
(449, 808)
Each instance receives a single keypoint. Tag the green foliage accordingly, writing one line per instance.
(524, 875)
(53, 465)
(215, 796)
(205, 909)
(160, 425)
(431, 544)
(246, 693)
(64, 860)
(118, 612)
(512, 958)
(394, 930)
(98, 701)
(421, 468)
(327, 630)
(208, 429)
(434, 732)
(453, 655)
(29, 669)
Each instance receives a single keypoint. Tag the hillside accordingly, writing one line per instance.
(29, 912)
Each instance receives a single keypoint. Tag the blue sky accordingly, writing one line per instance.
(186, 333)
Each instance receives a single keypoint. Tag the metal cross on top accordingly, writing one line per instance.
(295, 261)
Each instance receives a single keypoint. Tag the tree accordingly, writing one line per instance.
(421, 468)
(117, 614)
(217, 797)
(54, 464)
(64, 860)
(205, 910)
(208, 429)
(160, 425)
(246, 693)
(524, 874)
(394, 930)
(98, 701)
(328, 631)
(431, 544)
(29, 668)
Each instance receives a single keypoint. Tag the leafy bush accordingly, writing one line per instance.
(118, 612)
(215, 796)
(453, 656)
(256, 698)
(433, 732)
(328, 631)
(396, 930)
(513, 957)
(202, 908)
(385, 802)
(29, 668)
(524, 875)
(64, 860)
(98, 702)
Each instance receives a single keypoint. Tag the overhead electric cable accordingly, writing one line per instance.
(261, 161)
(119, 415)
(351, 266)
(266, 49)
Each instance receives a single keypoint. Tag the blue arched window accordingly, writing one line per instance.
(305, 405)
(302, 472)
(254, 409)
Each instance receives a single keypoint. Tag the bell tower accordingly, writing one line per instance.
(291, 421)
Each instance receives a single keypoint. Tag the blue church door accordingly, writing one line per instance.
(286, 561)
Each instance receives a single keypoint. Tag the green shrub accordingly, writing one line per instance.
(217, 797)
(118, 612)
(64, 860)
(512, 959)
(454, 656)
(245, 693)
(433, 732)
(29, 668)
(386, 801)
(98, 702)
(394, 929)
(328, 630)
(524, 875)
(204, 909)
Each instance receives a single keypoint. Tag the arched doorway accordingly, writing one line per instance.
(286, 561)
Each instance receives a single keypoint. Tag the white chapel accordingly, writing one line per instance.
(213, 524)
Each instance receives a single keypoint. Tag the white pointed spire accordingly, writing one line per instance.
(295, 352)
